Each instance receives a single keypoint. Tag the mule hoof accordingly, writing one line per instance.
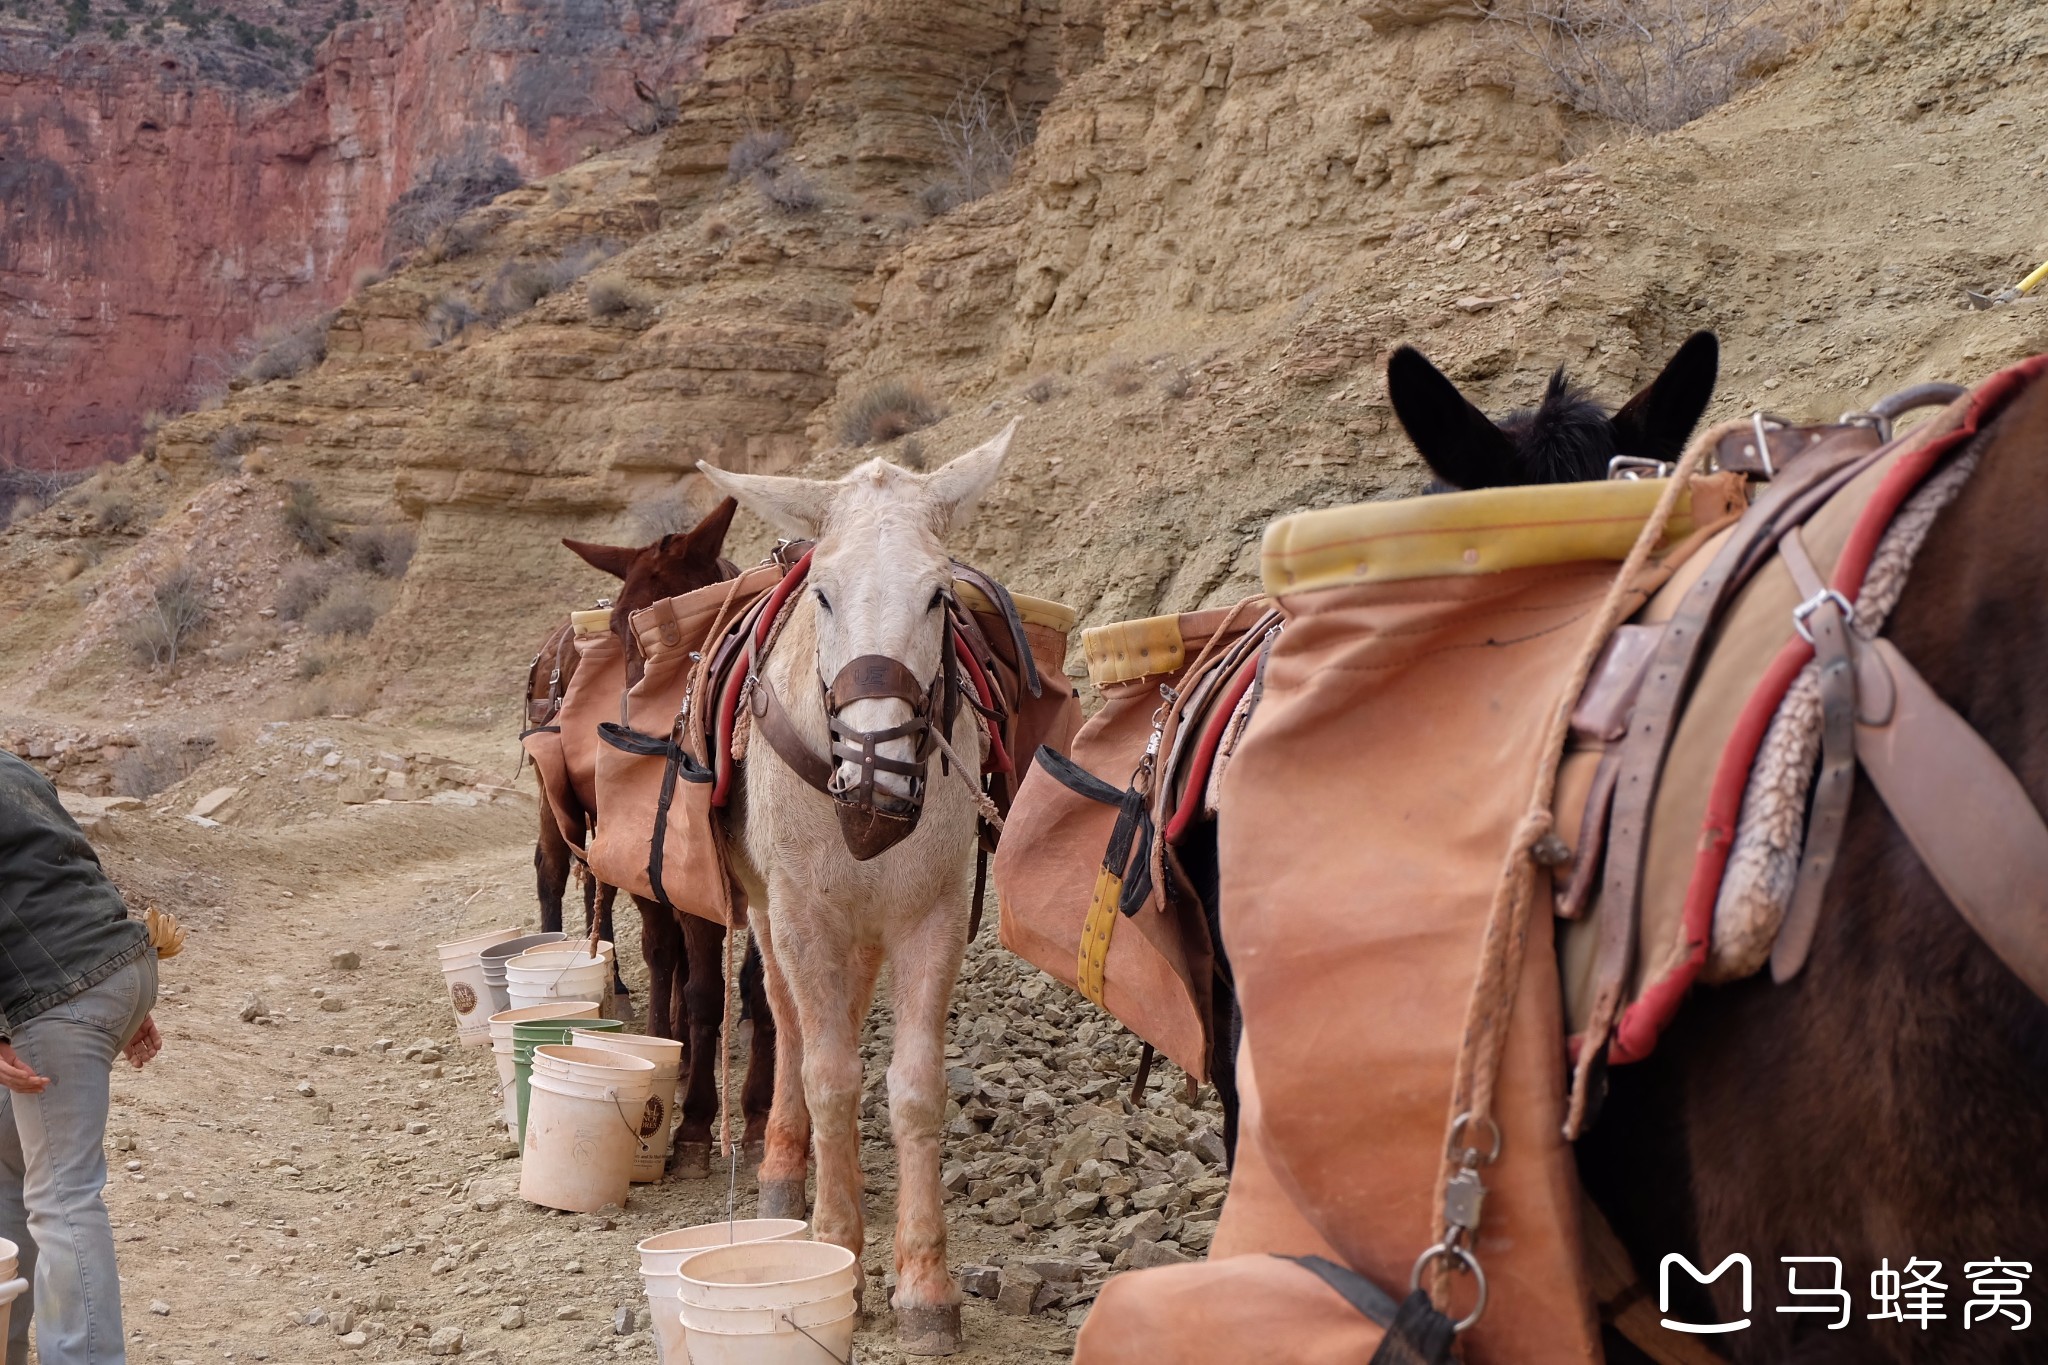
(690, 1160)
(928, 1331)
(781, 1199)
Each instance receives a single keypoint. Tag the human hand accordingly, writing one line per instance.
(146, 1043)
(18, 1075)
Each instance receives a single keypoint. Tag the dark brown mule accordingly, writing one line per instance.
(1567, 438)
(685, 955)
(1890, 1101)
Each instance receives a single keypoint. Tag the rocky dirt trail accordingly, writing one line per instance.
(313, 1170)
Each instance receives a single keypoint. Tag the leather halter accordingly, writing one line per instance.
(871, 820)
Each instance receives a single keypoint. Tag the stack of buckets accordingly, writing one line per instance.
(14, 1287)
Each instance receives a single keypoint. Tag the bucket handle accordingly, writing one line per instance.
(11, 1291)
(790, 1318)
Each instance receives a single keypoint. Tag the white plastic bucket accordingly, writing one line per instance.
(501, 1045)
(769, 1303)
(663, 1255)
(495, 957)
(462, 968)
(13, 1286)
(659, 1122)
(582, 1127)
(546, 974)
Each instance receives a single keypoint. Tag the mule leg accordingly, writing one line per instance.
(551, 864)
(703, 1015)
(786, 1145)
(923, 965)
(759, 1093)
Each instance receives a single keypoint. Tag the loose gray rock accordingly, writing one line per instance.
(352, 1341)
(1018, 1292)
(1148, 1255)
(982, 1281)
(253, 1009)
(160, 1308)
(512, 1319)
(622, 1322)
(347, 960)
(446, 1342)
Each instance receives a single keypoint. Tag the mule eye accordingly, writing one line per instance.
(823, 600)
(938, 600)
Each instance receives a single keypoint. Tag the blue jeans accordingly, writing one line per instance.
(53, 1167)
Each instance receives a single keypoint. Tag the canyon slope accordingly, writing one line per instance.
(1228, 216)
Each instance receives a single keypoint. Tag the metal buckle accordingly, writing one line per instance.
(1460, 1257)
(1472, 1155)
(1806, 609)
(1878, 422)
(1633, 467)
(1757, 422)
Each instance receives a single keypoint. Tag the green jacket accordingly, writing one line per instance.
(63, 926)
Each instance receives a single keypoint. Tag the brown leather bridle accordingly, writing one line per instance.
(871, 820)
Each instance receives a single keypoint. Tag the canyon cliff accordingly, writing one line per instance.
(164, 205)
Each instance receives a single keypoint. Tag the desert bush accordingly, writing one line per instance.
(349, 608)
(521, 284)
(1658, 64)
(231, 443)
(384, 550)
(1177, 384)
(301, 588)
(789, 191)
(451, 188)
(311, 666)
(888, 410)
(1042, 389)
(911, 454)
(286, 353)
(457, 240)
(366, 277)
(333, 697)
(1121, 375)
(757, 151)
(716, 229)
(306, 519)
(665, 514)
(250, 640)
(153, 421)
(448, 317)
(169, 618)
(980, 139)
(112, 511)
(146, 768)
(658, 109)
(35, 487)
(612, 295)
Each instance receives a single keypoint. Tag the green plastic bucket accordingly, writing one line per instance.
(532, 1033)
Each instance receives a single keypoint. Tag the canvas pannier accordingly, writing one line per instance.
(1366, 815)
(1078, 853)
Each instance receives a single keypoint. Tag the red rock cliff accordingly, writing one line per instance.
(155, 216)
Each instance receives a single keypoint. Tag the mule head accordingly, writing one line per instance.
(671, 566)
(1567, 438)
(879, 576)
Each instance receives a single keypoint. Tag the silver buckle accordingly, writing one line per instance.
(1806, 609)
(1757, 422)
(1634, 467)
(1464, 1260)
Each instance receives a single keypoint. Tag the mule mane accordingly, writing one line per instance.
(1566, 438)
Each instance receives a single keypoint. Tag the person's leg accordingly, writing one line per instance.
(63, 1131)
(14, 1227)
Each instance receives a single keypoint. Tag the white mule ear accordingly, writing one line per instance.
(957, 485)
(795, 507)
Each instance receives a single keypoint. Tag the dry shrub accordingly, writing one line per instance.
(231, 443)
(1043, 389)
(716, 229)
(168, 619)
(612, 295)
(887, 410)
(286, 353)
(311, 666)
(247, 642)
(519, 285)
(350, 607)
(36, 487)
(1659, 64)
(368, 276)
(754, 152)
(153, 421)
(306, 520)
(1177, 384)
(156, 762)
(341, 697)
(451, 188)
(1122, 375)
(384, 550)
(113, 512)
(911, 454)
(448, 317)
(980, 138)
(789, 191)
(658, 109)
(301, 588)
(665, 514)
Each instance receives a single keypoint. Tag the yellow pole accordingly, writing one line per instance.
(2027, 285)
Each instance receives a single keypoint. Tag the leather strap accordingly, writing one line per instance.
(876, 677)
(776, 727)
(1665, 682)
(1965, 813)
(1372, 1302)
(1828, 624)
(1737, 451)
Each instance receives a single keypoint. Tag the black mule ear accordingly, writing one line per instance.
(1460, 443)
(1656, 423)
